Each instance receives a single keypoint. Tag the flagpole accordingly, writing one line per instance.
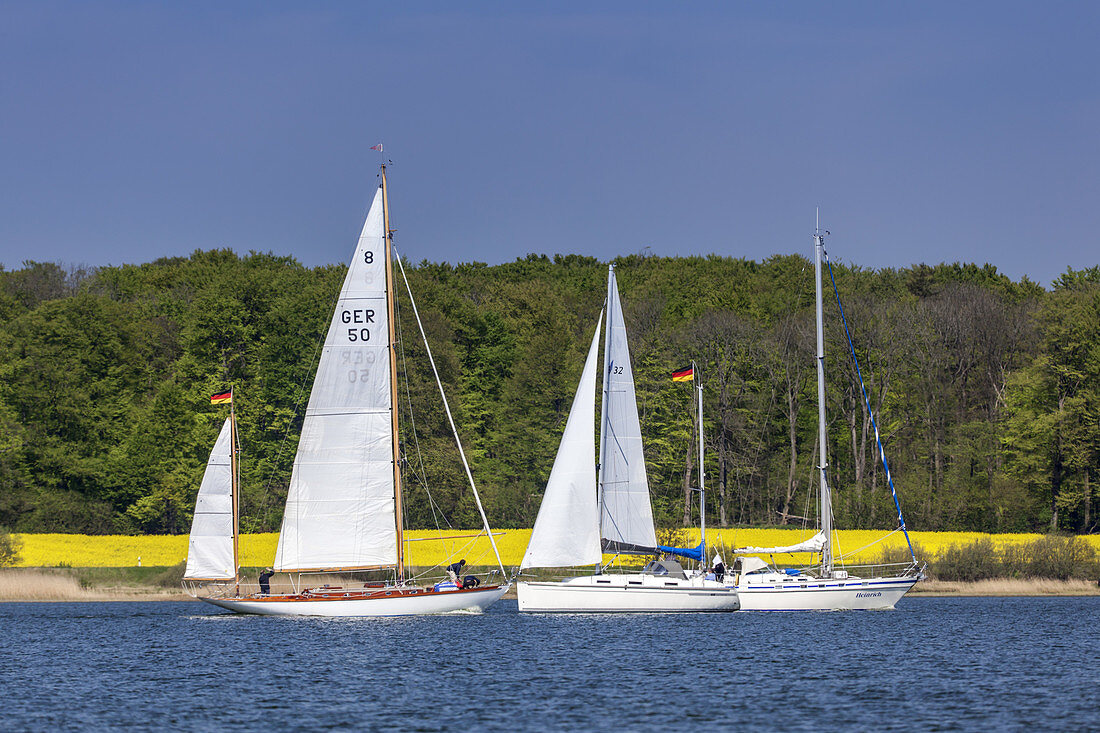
(702, 492)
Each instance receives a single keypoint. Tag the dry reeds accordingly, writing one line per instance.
(35, 585)
(1009, 587)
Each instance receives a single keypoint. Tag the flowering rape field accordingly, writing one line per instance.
(427, 548)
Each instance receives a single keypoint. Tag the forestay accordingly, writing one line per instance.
(626, 521)
(566, 531)
(210, 546)
(340, 504)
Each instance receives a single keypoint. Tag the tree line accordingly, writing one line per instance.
(986, 390)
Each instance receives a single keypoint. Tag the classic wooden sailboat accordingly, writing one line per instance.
(579, 519)
(343, 510)
(763, 587)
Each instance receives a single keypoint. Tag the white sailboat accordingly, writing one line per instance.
(343, 510)
(580, 518)
(212, 545)
(829, 587)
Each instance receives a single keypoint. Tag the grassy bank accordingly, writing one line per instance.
(90, 567)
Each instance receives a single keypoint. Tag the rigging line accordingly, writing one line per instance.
(422, 475)
(870, 413)
(286, 433)
(450, 418)
(870, 544)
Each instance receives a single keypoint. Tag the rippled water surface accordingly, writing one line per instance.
(934, 663)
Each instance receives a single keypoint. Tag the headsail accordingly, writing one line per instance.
(566, 530)
(340, 504)
(210, 546)
(626, 521)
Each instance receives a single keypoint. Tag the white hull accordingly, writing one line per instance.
(405, 604)
(852, 594)
(625, 594)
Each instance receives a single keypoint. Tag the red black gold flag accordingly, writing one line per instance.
(221, 397)
(686, 374)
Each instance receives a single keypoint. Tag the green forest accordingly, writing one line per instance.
(986, 390)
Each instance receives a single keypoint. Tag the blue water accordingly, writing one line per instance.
(932, 664)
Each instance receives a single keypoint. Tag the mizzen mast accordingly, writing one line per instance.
(235, 489)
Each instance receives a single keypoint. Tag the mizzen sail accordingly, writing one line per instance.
(340, 504)
(210, 546)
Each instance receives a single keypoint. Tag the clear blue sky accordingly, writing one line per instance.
(926, 131)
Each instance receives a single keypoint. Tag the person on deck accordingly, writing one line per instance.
(265, 581)
(719, 569)
(455, 570)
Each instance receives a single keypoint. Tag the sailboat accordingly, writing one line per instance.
(586, 511)
(830, 586)
(343, 509)
(212, 546)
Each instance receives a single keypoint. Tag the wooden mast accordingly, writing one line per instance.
(390, 320)
(234, 488)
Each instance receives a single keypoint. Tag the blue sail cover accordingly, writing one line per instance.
(692, 553)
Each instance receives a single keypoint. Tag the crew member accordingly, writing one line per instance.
(719, 568)
(265, 581)
(455, 570)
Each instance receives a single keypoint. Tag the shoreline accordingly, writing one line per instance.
(67, 586)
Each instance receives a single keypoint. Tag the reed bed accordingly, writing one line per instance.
(35, 586)
(1010, 587)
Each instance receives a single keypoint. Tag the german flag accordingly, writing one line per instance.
(686, 374)
(221, 397)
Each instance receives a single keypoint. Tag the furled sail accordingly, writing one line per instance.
(626, 521)
(210, 547)
(340, 504)
(814, 544)
(567, 531)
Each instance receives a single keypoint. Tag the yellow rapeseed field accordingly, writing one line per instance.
(430, 547)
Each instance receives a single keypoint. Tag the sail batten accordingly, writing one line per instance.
(340, 503)
(210, 545)
(566, 531)
(626, 515)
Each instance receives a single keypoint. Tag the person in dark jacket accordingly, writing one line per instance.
(455, 570)
(265, 581)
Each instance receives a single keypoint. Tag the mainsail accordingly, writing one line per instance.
(566, 531)
(814, 544)
(340, 505)
(626, 520)
(210, 546)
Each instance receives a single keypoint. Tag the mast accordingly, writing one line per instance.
(388, 235)
(702, 491)
(234, 489)
(826, 503)
(603, 402)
